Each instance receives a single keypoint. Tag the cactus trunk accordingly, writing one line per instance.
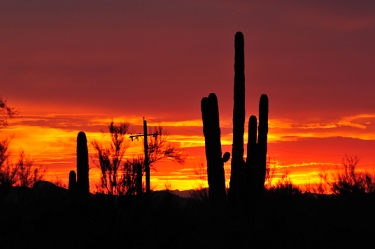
(251, 157)
(82, 163)
(72, 182)
(237, 164)
(215, 162)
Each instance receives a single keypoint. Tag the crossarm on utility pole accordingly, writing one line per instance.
(146, 160)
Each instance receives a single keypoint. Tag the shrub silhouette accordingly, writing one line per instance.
(349, 181)
(284, 186)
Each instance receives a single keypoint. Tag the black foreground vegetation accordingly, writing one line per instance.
(47, 217)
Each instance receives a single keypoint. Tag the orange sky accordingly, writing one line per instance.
(68, 66)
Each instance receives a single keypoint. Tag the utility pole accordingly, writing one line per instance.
(145, 146)
(147, 166)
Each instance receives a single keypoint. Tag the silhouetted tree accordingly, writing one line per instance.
(131, 177)
(111, 157)
(4, 154)
(27, 173)
(5, 112)
(23, 173)
(119, 175)
(8, 172)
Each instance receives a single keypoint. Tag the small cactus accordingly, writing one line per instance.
(82, 163)
(72, 182)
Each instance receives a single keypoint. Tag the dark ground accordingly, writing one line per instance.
(48, 217)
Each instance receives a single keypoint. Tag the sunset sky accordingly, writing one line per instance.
(70, 66)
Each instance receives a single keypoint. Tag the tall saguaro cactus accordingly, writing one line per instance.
(247, 179)
(215, 161)
(237, 163)
(82, 163)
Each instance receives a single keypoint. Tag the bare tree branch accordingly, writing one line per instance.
(159, 148)
(110, 157)
(5, 112)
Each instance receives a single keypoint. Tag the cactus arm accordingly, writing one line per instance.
(262, 139)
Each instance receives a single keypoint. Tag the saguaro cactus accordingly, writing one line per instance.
(237, 164)
(72, 181)
(215, 161)
(82, 163)
(247, 179)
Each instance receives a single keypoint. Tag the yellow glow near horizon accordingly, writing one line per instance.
(55, 148)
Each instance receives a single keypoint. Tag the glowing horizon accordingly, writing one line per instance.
(55, 148)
